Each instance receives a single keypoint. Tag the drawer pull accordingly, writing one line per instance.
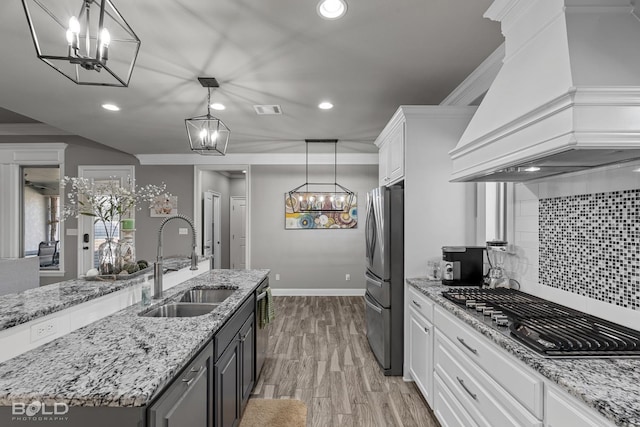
(416, 304)
(190, 380)
(427, 330)
(471, 349)
(473, 395)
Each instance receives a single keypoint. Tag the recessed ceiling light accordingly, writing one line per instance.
(332, 9)
(636, 170)
(325, 105)
(111, 107)
(218, 106)
(244, 171)
(532, 169)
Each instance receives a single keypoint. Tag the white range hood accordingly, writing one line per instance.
(567, 96)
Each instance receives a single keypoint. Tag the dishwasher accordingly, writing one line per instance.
(262, 333)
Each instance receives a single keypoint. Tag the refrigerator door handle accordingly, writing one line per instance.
(372, 306)
(372, 280)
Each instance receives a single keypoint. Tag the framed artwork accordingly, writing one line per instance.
(164, 206)
(348, 218)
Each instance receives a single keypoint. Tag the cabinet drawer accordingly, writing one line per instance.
(448, 410)
(227, 333)
(487, 402)
(561, 411)
(419, 303)
(510, 374)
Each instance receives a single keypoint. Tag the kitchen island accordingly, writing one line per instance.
(608, 386)
(112, 369)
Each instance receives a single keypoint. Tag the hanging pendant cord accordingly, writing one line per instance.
(209, 103)
(306, 145)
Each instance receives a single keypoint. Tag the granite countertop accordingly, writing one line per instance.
(22, 307)
(610, 386)
(123, 359)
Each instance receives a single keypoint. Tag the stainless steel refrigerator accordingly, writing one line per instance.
(384, 298)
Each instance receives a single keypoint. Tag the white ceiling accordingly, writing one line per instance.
(382, 54)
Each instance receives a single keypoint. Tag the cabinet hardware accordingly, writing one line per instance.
(427, 330)
(471, 349)
(473, 395)
(416, 304)
(190, 380)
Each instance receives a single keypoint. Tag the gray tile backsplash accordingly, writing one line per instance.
(589, 245)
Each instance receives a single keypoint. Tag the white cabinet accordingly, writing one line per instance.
(391, 155)
(562, 411)
(420, 348)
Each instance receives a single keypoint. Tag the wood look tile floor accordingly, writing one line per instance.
(318, 353)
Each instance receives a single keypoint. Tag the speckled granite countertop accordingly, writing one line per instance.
(22, 307)
(610, 386)
(123, 359)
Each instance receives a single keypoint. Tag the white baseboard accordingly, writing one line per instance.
(318, 292)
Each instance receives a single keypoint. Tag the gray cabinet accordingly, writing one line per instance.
(226, 395)
(186, 402)
(234, 371)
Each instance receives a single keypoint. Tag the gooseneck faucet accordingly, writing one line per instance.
(157, 266)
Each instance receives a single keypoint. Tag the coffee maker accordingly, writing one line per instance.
(462, 265)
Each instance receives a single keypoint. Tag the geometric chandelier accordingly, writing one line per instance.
(208, 135)
(88, 41)
(320, 196)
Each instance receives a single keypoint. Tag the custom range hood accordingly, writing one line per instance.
(566, 98)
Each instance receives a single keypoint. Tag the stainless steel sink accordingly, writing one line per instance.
(176, 309)
(207, 295)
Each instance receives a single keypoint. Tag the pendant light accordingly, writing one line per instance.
(208, 135)
(94, 47)
(321, 196)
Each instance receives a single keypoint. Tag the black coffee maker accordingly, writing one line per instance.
(462, 265)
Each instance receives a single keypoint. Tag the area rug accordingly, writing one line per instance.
(274, 413)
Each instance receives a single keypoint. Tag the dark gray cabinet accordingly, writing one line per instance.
(234, 372)
(186, 403)
(247, 354)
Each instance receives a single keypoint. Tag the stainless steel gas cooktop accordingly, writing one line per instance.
(550, 329)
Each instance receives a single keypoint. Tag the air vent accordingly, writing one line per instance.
(263, 110)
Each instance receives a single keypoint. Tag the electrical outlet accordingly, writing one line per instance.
(44, 329)
(183, 231)
(347, 277)
(277, 276)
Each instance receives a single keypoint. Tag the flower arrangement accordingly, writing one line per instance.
(109, 203)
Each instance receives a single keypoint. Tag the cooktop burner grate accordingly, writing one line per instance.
(549, 328)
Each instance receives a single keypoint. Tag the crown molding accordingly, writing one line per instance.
(30, 129)
(479, 81)
(258, 159)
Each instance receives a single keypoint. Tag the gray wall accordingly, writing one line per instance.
(307, 259)
(179, 181)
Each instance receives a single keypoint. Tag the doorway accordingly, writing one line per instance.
(225, 181)
(211, 226)
(238, 232)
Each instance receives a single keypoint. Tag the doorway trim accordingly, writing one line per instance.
(197, 197)
(216, 213)
(12, 158)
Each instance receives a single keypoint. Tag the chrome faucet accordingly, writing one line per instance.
(157, 266)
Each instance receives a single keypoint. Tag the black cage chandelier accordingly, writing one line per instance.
(208, 135)
(321, 196)
(88, 41)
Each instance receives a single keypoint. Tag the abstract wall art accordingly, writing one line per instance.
(348, 218)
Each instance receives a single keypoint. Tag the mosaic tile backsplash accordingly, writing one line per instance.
(590, 245)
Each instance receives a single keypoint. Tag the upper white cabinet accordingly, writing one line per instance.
(391, 155)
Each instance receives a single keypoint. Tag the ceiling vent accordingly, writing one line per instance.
(267, 110)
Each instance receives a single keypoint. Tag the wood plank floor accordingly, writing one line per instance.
(318, 353)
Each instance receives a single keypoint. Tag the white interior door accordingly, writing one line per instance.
(238, 230)
(212, 245)
(90, 235)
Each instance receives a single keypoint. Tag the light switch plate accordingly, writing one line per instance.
(183, 231)
(72, 231)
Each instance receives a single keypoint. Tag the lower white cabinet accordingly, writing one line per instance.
(421, 354)
(562, 411)
(448, 410)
